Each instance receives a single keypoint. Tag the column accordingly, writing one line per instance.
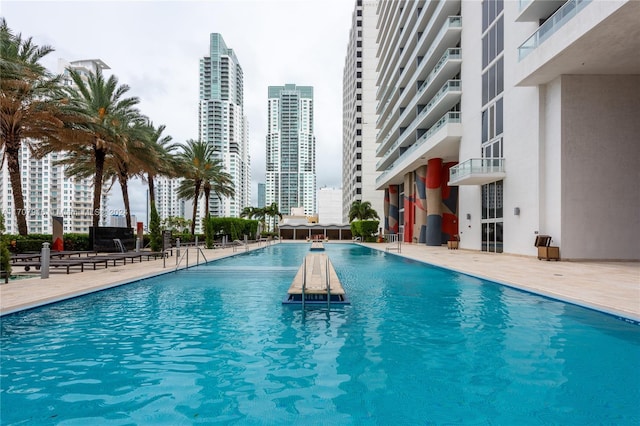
(394, 212)
(420, 228)
(409, 200)
(449, 204)
(434, 202)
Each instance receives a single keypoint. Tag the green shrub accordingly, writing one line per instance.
(5, 255)
(76, 242)
(155, 234)
(233, 228)
(365, 229)
(209, 236)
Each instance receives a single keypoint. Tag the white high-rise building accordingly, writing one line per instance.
(47, 190)
(291, 149)
(359, 112)
(223, 124)
(330, 206)
(168, 204)
(522, 124)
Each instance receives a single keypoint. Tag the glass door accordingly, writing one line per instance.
(492, 217)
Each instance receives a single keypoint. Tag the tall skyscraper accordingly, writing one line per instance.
(261, 195)
(359, 112)
(291, 149)
(222, 123)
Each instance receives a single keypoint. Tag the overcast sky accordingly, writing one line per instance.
(155, 48)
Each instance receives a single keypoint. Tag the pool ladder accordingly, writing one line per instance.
(186, 255)
(327, 282)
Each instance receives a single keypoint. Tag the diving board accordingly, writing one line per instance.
(316, 282)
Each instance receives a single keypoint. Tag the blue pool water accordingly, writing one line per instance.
(417, 345)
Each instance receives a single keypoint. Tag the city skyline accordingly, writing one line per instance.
(161, 66)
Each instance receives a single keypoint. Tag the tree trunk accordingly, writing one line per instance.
(207, 194)
(123, 179)
(195, 208)
(12, 152)
(152, 190)
(97, 185)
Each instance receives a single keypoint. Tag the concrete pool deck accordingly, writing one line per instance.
(611, 287)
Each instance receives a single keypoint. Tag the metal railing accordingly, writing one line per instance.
(476, 166)
(327, 282)
(185, 256)
(551, 25)
(394, 242)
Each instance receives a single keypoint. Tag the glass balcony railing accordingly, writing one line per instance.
(449, 118)
(487, 167)
(551, 25)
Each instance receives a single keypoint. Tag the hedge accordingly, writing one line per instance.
(365, 229)
(231, 227)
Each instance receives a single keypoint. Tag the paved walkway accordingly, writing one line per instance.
(612, 287)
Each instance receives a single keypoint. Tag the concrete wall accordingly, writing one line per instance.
(522, 141)
(550, 200)
(469, 197)
(600, 167)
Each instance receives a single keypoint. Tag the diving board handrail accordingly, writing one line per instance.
(304, 279)
(328, 277)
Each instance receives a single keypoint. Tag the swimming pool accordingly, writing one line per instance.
(417, 345)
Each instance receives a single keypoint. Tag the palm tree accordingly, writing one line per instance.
(272, 211)
(196, 159)
(102, 132)
(133, 135)
(159, 160)
(362, 211)
(29, 104)
(259, 213)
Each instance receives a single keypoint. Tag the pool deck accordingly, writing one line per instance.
(611, 287)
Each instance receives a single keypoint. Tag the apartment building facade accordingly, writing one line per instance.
(168, 204)
(520, 125)
(359, 112)
(222, 123)
(291, 149)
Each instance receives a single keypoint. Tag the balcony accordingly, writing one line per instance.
(535, 10)
(444, 100)
(601, 40)
(551, 25)
(477, 171)
(442, 140)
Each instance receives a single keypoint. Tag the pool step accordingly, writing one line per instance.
(316, 282)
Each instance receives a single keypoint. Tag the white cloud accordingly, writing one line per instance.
(155, 48)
